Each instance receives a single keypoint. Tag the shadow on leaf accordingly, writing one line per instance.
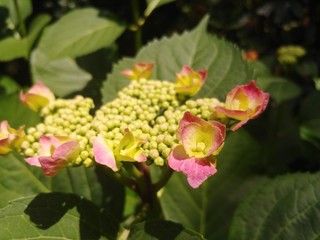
(48, 209)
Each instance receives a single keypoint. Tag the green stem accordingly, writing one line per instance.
(120, 177)
(137, 25)
(163, 180)
(22, 27)
(139, 179)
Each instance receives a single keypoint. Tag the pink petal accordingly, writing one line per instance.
(46, 145)
(4, 127)
(67, 151)
(194, 130)
(33, 161)
(236, 114)
(220, 126)
(103, 154)
(196, 170)
(37, 97)
(238, 125)
(253, 98)
(40, 89)
(50, 165)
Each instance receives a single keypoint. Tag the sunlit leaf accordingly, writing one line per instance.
(12, 48)
(198, 49)
(78, 33)
(62, 76)
(37, 24)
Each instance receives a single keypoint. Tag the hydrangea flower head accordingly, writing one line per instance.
(189, 82)
(10, 138)
(243, 103)
(139, 71)
(200, 141)
(37, 97)
(55, 153)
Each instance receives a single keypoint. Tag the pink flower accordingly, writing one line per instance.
(10, 138)
(189, 82)
(200, 141)
(55, 153)
(129, 150)
(140, 70)
(37, 97)
(243, 103)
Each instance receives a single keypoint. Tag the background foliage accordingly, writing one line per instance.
(267, 181)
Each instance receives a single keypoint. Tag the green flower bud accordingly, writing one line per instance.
(159, 161)
(29, 152)
(88, 162)
(153, 153)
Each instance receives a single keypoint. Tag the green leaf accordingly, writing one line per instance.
(12, 48)
(280, 89)
(37, 24)
(55, 215)
(153, 230)
(15, 112)
(310, 120)
(153, 4)
(78, 33)
(287, 207)
(198, 49)
(25, 8)
(7, 85)
(62, 76)
(19, 179)
(209, 209)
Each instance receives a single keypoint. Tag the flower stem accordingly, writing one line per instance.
(163, 180)
(137, 25)
(138, 178)
(22, 27)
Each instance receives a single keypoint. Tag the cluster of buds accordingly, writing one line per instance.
(64, 137)
(290, 54)
(150, 122)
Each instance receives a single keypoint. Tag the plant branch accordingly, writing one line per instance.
(22, 27)
(163, 180)
(136, 28)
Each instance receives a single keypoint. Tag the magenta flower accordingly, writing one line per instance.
(243, 103)
(189, 82)
(10, 138)
(140, 70)
(200, 141)
(37, 97)
(128, 150)
(55, 153)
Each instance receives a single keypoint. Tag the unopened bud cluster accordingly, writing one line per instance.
(290, 54)
(64, 117)
(151, 110)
